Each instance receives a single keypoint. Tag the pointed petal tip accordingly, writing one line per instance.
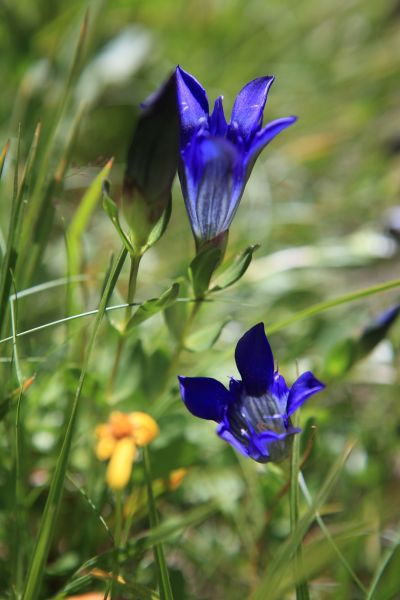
(204, 397)
(305, 386)
(254, 360)
(249, 106)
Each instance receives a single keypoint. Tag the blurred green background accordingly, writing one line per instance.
(323, 203)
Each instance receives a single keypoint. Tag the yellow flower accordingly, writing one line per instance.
(117, 442)
(176, 477)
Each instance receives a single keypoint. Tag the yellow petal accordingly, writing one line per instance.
(120, 466)
(102, 430)
(105, 447)
(145, 429)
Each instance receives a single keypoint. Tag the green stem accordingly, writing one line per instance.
(302, 592)
(174, 362)
(117, 543)
(328, 536)
(19, 499)
(133, 275)
(54, 498)
(163, 575)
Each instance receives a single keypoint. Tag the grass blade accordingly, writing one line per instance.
(381, 568)
(3, 156)
(86, 207)
(45, 536)
(344, 299)
(302, 592)
(163, 575)
(41, 211)
(269, 586)
(328, 536)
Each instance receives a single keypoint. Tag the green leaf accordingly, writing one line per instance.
(235, 270)
(111, 210)
(176, 316)
(201, 269)
(153, 306)
(205, 338)
(340, 358)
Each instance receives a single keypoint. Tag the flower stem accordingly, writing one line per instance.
(176, 355)
(163, 575)
(117, 542)
(302, 592)
(133, 274)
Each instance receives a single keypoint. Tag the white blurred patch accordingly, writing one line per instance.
(357, 461)
(116, 63)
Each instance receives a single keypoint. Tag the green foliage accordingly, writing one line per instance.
(234, 270)
(151, 307)
(317, 202)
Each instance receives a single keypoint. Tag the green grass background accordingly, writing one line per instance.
(320, 203)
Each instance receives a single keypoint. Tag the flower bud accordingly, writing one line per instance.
(151, 162)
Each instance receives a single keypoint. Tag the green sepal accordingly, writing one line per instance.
(235, 270)
(202, 268)
(205, 338)
(159, 228)
(111, 210)
(153, 306)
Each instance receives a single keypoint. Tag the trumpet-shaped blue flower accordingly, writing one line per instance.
(217, 157)
(254, 414)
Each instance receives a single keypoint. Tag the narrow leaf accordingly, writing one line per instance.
(205, 338)
(54, 498)
(153, 306)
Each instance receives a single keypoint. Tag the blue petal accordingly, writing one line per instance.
(263, 138)
(192, 104)
(219, 187)
(255, 360)
(249, 106)
(218, 124)
(280, 391)
(204, 397)
(224, 433)
(301, 390)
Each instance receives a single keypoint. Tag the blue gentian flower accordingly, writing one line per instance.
(254, 415)
(216, 157)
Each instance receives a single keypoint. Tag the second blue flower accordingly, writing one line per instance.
(216, 157)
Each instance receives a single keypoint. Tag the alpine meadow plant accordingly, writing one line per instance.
(103, 469)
